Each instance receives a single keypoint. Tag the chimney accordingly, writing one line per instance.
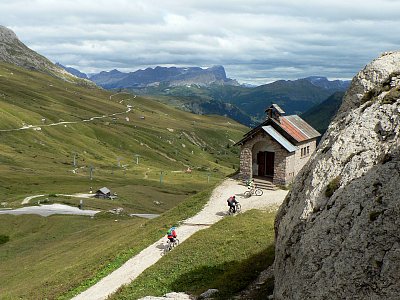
(269, 113)
(274, 112)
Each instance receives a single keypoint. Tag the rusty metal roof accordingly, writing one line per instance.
(279, 138)
(292, 127)
(298, 128)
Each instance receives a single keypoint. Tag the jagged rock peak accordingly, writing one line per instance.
(7, 35)
(337, 233)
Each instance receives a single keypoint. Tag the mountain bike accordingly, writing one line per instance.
(238, 209)
(169, 246)
(253, 191)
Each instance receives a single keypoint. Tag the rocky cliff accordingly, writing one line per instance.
(338, 231)
(13, 51)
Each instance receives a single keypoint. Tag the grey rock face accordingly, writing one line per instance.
(13, 51)
(338, 231)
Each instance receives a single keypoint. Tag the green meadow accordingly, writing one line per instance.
(228, 256)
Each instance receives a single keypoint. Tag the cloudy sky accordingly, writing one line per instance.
(257, 41)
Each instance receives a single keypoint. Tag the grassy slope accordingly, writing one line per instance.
(63, 255)
(228, 256)
(46, 257)
(44, 158)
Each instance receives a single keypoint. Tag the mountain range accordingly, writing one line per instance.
(165, 76)
(248, 104)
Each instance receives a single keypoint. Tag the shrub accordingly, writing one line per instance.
(4, 239)
(392, 96)
(371, 95)
(333, 186)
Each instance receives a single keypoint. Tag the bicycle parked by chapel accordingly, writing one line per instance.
(252, 189)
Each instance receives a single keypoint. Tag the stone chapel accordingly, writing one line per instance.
(278, 148)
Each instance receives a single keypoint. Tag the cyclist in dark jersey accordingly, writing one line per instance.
(232, 203)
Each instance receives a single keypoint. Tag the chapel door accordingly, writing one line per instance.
(269, 163)
(261, 163)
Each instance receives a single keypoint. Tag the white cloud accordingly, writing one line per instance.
(256, 40)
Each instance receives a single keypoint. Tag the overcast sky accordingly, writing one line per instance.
(256, 41)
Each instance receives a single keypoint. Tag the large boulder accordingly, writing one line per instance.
(338, 230)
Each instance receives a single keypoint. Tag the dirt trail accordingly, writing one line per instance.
(214, 211)
(78, 195)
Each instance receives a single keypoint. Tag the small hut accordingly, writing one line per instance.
(103, 193)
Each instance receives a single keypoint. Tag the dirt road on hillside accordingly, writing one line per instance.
(214, 211)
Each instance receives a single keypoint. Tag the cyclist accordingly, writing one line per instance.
(250, 184)
(232, 203)
(171, 234)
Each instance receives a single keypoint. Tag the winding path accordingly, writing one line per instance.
(39, 127)
(214, 211)
(79, 195)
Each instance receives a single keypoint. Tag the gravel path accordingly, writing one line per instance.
(214, 211)
(79, 195)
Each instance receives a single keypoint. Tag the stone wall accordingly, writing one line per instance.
(280, 165)
(301, 160)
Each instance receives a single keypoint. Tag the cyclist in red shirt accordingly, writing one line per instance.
(171, 234)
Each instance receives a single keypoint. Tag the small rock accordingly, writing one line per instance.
(169, 296)
(208, 294)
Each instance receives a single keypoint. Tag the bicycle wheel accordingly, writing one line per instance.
(238, 208)
(247, 194)
(167, 247)
(176, 243)
(258, 192)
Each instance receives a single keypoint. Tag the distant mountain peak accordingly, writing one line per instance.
(325, 83)
(73, 71)
(169, 76)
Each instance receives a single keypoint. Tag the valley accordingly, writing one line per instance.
(47, 123)
(60, 138)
